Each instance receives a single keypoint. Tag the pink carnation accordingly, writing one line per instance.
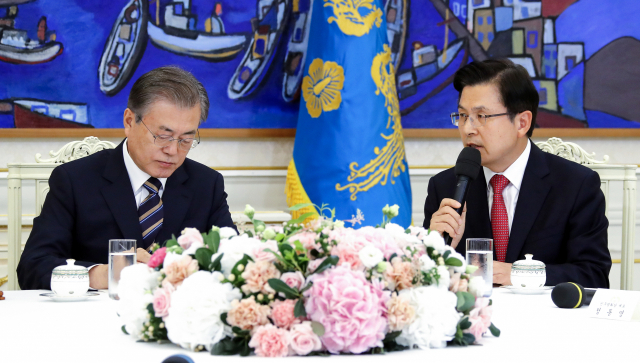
(257, 275)
(282, 313)
(190, 236)
(180, 269)
(350, 309)
(270, 341)
(399, 274)
(247, 314)
(303, 339)
(162, 301)
(293, 279)
(480, 318)
(157, 258)
(260, 253)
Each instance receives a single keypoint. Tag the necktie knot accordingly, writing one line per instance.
(153, 185)
(498, 183)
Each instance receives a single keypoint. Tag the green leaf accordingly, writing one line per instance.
(465, 301)
(306, 287)
(300, 206)
(172, 242)
(318, 329)
(328, 262)
(124, 330)
(245, 350)
(299, 310)
(468, 338)
(282, 260)
(241, 333)
(392, 257)
(281, 286)
(464, 323)
(249, 233)
(279, 237)
(214, 241)
(298, 246)
(203, 255)
(446, 254)
(223, 318)
(452, 261)
(301, 218)
(217, 265)
(284, 247)
(494, 331)
(258, 223)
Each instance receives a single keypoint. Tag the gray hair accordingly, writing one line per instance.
(171, 84)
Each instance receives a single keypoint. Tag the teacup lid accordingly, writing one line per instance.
(70, 267)
(529, 263)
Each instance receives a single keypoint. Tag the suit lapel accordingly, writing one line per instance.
(533, 192)
(176, 200)
(478, 224)
(119, 196)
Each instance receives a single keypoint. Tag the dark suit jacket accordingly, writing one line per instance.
(91, 201)
(559, 218)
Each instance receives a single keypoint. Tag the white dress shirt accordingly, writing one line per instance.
(138, 177)
(514, 173)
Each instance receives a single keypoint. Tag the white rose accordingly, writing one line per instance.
(227, 232)
(370, 256)
(194, 315)
(234, 250)
(445, 278)
(435, 240)
(457, 256)
(477, 286)
(135, 290)
(395, 229)
(426, 263)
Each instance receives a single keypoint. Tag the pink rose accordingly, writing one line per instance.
(270, 341)
(293, 279)
(189, 237)
(314, 264)
(259, 253)
(480, 318)
(162, 301)
(308, 240)
(157, 258)
(257, 275)
(282, 313)
(303, 339)
(350, 308)
(247, 314)
(382, 240)
(180, 269)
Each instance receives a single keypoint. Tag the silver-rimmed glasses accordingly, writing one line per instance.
(185, 144)
(481, 120)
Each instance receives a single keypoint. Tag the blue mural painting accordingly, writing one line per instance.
(71, 63)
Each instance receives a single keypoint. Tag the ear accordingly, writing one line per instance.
(523, 122)
(128, 119)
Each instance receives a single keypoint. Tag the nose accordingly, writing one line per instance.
(469, 127)
(171, 149)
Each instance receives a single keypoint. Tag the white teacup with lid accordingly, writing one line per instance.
(70, 279)
(528, 273)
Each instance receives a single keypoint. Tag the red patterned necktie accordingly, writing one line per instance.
(499, 217)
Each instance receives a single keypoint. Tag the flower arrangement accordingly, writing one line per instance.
(313, 289)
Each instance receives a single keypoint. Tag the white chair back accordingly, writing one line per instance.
(40, 171)
(608, 173)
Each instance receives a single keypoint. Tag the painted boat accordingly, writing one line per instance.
(124, 47)
(432, 71)
(267, 29)
(178, 34)
(16, 46)
(396, 13)
(31, 113)
(296, 49)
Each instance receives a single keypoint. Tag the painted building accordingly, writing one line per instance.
(484, 27)
(472, 6)
(523, 9)
(533, 33)
(569, 56)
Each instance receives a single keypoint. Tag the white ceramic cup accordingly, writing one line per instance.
(70, 279)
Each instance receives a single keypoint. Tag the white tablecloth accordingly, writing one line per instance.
(36, 329)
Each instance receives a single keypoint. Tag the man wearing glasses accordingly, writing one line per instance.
(144, 189)
(526, 200)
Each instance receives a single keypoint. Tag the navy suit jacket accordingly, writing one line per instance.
(559, 218)
(91, 201)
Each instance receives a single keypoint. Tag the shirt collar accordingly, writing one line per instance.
(515, 172)
(136, 175)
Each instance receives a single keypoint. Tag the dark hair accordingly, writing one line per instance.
(517, 92)
(171, 84)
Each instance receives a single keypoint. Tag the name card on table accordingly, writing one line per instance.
(615, 305)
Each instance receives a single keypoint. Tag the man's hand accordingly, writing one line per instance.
(99, 277)
(142, 256)
(446, 219)
(501, 273)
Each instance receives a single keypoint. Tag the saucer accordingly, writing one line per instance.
(54, 297)
(528, 290)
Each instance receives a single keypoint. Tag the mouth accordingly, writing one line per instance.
(475, 146)
(165, 164)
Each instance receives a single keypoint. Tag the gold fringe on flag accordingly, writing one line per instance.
(296, 195)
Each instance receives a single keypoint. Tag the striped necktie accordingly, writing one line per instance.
(150, 212)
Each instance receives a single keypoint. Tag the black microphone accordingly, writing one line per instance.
(467, 169)
(569, 295)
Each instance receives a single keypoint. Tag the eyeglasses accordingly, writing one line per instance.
(185, 144)
(481, 120)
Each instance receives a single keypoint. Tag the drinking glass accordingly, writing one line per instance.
(480, 254)
(122, 253)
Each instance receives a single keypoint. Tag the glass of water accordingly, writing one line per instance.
(122, 253)
(480, 254)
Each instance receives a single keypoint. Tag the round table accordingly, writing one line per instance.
(36, 329)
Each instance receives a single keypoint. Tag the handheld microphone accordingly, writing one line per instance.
(467, 169)
(569, 295)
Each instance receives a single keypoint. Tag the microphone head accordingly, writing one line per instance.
(568, 295)
(468, 163)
